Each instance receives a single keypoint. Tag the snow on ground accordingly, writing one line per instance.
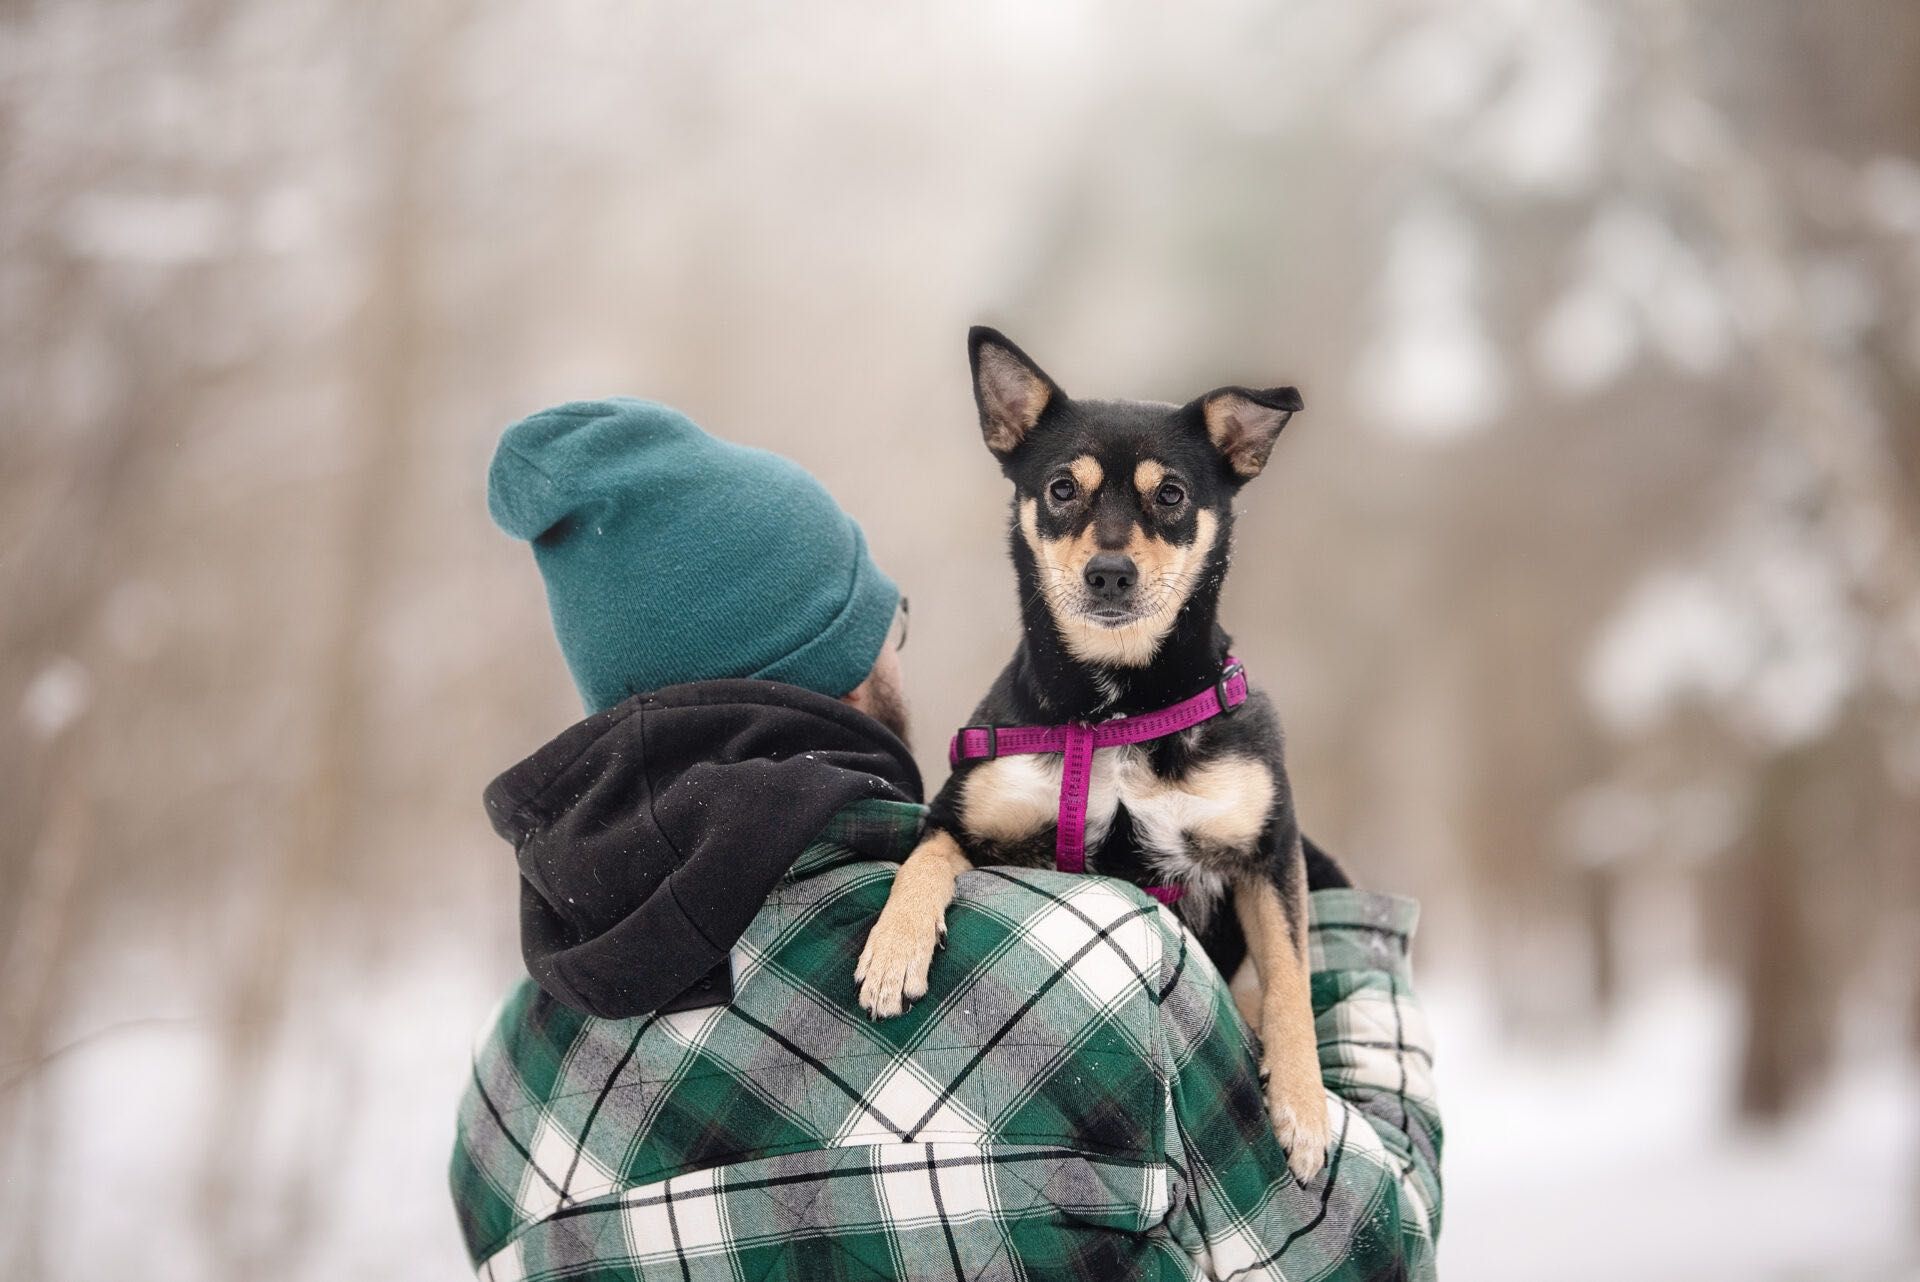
(1618, 1159)
(358, 1103)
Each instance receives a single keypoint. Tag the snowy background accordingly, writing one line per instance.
(1588, 584)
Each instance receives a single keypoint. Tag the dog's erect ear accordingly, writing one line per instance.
(1011, 391)
(1243, 424)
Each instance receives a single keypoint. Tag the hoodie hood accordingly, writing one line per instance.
(650, 834)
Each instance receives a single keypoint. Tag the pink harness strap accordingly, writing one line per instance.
(1077, 741)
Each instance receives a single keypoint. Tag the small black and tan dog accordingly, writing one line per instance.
(1122, 523)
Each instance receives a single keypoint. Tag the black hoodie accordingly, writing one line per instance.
(651, 833)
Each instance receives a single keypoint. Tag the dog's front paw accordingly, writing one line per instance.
(1297, 1103)
(892, 973)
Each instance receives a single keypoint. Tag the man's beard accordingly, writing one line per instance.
(889, 706)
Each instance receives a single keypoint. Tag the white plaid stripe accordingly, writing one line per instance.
(1064, 930)
(905, 1094)
(539, 1193)
(677, 1219)
(1377, 1041)
(914, 1187)
(691, 1028)
(555, 1151)
(504, 1265)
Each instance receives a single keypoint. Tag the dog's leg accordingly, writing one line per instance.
(1290, 1057)
(1245, 987)
(892, 973)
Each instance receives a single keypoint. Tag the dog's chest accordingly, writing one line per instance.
(1220, 803)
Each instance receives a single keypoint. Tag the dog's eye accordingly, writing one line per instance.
(1170, 495)
(1063, 490)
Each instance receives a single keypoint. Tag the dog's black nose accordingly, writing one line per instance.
(1111, 576)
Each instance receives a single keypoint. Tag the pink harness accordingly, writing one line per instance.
(1078, 740)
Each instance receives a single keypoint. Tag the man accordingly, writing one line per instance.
(690, 1090)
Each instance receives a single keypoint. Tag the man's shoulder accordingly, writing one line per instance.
(1071, 919)
(1004, 917)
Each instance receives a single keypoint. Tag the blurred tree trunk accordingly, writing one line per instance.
(1783, 1047)
(1810, 928)
(48, 846)
(62, 573)
(330, 813)
(1599, 894)
(1817, 399)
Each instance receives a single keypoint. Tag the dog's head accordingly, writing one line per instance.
(1122, 509)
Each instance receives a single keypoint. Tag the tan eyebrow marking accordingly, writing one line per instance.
(1147, 477)
(1086, 472)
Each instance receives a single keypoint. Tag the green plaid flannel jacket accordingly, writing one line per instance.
(1074, 1098)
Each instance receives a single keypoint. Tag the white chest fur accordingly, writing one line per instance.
(1222, 802)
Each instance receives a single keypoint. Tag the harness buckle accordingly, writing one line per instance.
(1227, 674)
(993, 741)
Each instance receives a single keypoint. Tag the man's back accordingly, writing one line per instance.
(1074, 1098)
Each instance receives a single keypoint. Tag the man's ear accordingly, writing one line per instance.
(1243, 424)
(1011, 391)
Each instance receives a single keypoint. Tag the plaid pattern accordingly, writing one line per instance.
(1075, 1098)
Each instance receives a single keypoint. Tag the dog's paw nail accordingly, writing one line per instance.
(1304, 1133)
(1305, 1162)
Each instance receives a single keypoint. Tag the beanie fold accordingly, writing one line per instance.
(842, 655)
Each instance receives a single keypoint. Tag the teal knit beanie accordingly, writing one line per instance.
(671, 556)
